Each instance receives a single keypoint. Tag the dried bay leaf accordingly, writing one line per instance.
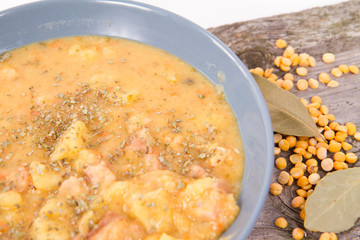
(288, 115)
(334, 206)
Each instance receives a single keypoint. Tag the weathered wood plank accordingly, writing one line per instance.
(333, 29)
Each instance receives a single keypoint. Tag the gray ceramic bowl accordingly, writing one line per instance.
(50, 19)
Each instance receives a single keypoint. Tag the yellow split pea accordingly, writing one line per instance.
(289, 76)
(301, 71)
(281, 222)
(351, 128)
(313, 83)
(302, 84)
(324, 77)
(285, 61)
(328, 57)
(298, 233)
(295, 60)
(287, 84)
(336, 72)
(291, 140)
(280, 43)
(297, 201)
(316, 99)
(354, 69)
(344, 68)
(275, 189)
(328, 236)
(357, 136)
(333, 83)
(312, 61)
(281, 163)
(289, 51)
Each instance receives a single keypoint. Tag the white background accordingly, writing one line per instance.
(212, 13)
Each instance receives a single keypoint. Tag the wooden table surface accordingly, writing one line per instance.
(333, 29)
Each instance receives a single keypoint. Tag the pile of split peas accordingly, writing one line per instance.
(330, 152)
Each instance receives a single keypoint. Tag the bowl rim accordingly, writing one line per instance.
(261, 104)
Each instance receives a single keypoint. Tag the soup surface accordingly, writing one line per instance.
(104, 138)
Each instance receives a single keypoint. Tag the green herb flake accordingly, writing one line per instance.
(180, 185)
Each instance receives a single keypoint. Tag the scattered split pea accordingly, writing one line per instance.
(333, 83)
(302, 84)
(336, 72)
(281, 222)
(287, 84)
(275, 189)
(301, 71)
(354, 69)
(313, 83)
(328, 57)
(329, 152)
(324, 78)
(298, 233)
(281, 43)
(328, 236)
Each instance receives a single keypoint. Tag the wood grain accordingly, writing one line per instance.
(333, 29)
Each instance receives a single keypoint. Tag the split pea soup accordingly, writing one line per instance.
(104, 138)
